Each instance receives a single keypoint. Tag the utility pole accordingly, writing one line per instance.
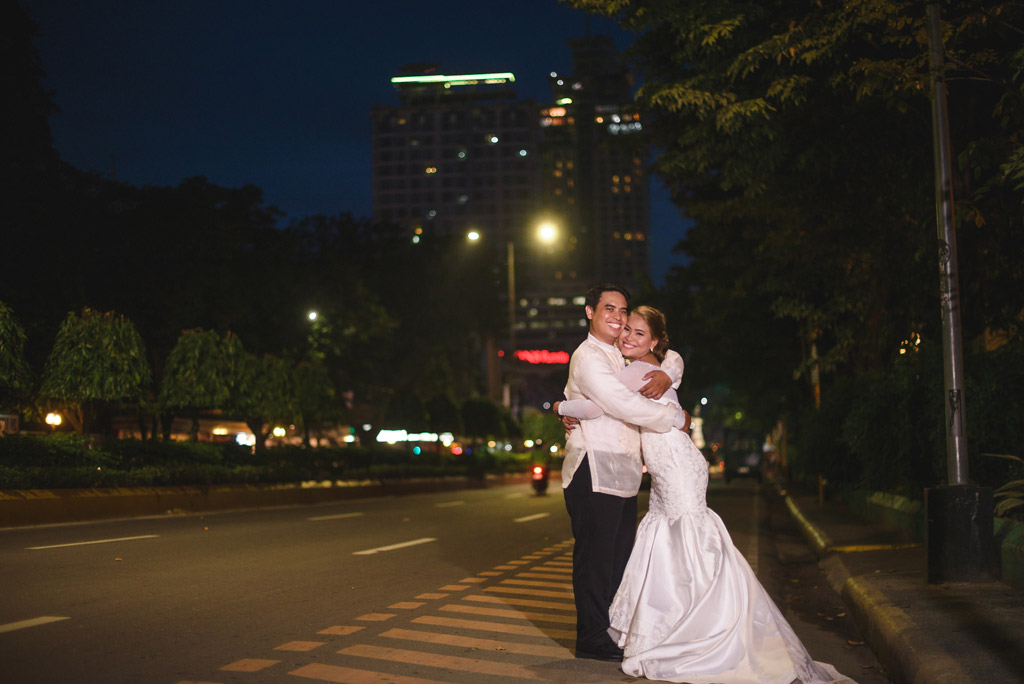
(959, 526)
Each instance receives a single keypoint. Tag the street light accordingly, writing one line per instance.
(547, 233)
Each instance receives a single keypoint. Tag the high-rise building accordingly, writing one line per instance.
(594, 164)
(461, 153)
(458, 154)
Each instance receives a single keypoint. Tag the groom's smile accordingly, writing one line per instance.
(607, 319)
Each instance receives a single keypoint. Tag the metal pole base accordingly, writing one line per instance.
(959, 534)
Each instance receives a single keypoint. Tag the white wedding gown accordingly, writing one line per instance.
(689, 608)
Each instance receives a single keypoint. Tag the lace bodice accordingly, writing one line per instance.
(679, 474)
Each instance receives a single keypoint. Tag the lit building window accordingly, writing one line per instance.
(492, 139)
(556, 301)
(579, 301)
(522, 153)
(430, 170)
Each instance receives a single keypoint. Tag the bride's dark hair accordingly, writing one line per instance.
(659, 329)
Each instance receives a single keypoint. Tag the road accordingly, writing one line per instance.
(464, 587)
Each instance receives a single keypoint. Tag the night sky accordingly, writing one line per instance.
(278, 93)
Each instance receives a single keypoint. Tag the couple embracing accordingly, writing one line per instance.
(681, 604)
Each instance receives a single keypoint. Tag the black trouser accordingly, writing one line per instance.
(604, 526)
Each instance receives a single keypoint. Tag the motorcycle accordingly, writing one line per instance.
(539, 479)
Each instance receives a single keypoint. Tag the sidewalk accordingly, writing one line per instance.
(921, 633)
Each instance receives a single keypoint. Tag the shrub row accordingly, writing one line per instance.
(69, 461)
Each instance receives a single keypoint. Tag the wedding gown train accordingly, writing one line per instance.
(690, 608)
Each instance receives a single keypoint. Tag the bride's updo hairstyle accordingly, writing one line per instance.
(656, 324)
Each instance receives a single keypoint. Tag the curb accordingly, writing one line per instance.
(906, 653)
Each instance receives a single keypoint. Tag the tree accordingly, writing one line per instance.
(97, 359)
(443, 415)
(406, 411)
(797, 136)
(315, 396)
(15, 376)
(482, 419)
(194, 378)
(262, 393)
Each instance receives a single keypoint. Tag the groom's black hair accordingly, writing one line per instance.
(594, 294)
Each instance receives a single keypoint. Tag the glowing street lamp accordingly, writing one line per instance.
(547, 233)
(53, 419)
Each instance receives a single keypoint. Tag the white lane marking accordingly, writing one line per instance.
(336, 517)
(34, 622)
(95, 541)
(392, 547)
(447, 504)
(535, 516)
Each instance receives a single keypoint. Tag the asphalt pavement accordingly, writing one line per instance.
(921, 633)
(949, 633)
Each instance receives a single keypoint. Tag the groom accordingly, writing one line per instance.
(602, 469)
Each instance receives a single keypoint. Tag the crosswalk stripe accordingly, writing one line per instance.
(529, 592)
(481, 626)
(535, 583)
(348, 675)
(529, 603)
(440, 661)
(482, 644)
(515, 614)
(541, 575)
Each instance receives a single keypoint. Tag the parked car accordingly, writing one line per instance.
(743, 455)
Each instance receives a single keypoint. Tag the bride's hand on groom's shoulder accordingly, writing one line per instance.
(658, 383)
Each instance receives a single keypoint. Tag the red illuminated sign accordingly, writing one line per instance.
(542, 356)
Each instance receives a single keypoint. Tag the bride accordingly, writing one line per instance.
(689, 608)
